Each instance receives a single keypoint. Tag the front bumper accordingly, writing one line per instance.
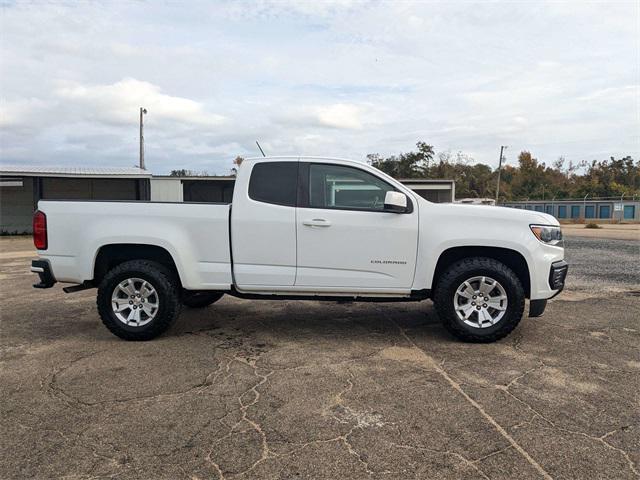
(557, 275)
(43, 269)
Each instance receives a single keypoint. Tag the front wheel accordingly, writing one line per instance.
(479, 300)
(138, 300)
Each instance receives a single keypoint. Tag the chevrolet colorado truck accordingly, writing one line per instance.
(303, 228)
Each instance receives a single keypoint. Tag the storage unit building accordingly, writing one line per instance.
(597, 210)
(437, 191)
(203, 189)
(220, 189)
(21, 188)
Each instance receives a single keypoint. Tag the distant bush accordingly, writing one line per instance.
(592, 225)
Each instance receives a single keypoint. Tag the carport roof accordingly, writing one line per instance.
(38, 171)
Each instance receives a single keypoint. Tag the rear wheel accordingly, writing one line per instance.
(138, 300)
(479, 299)
(200, 299)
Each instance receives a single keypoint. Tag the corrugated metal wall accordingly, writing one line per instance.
(17, 203)
(89, 188)
(16, 207)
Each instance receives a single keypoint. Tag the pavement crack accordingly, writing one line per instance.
(265, 451)
(520, 377)
(347, 361)
(56, 391)
(457, 387)
(345, 440)
(59, 392)
(489, 455)
(469, 463)
(602, 439)
(215, 466)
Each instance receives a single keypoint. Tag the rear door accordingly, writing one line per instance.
(345, 238)
(263, 226)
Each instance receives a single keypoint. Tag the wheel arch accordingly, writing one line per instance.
(511, 258)
(110, 255)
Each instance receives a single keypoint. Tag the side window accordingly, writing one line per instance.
(337, 186)
(274, 182)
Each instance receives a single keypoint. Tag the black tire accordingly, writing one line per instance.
(168, 295)
(465, 269)
(200, 299)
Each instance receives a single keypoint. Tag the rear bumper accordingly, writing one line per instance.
(43, 269)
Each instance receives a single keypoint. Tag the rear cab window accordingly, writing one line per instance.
(274, 182)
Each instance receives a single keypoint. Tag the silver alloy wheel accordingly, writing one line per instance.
(480, 301)
(135, 302)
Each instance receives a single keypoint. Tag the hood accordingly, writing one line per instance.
(498, 213)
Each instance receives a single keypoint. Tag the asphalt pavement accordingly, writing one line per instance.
(262, 389)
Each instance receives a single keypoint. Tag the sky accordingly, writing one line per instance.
(334, 78)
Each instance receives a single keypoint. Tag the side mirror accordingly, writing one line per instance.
(395, 202)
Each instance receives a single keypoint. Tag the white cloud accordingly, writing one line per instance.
(117, 102)
(626, 92)
(21, 112)
(340, 115)
(341, 78)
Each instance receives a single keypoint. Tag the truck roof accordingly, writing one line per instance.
(302, 157)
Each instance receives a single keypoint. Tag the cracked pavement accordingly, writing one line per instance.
(263, 389)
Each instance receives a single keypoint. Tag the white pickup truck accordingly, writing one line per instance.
(303, 228)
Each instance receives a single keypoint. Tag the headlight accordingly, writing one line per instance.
(548, 234)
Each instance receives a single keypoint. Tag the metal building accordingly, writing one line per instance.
(437, 191)
(192, 189)
(597, 209)
(220, 189)
(22, 186)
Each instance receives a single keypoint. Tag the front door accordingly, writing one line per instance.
(345, 238)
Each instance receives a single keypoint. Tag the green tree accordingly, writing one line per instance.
(530, 179)
(405, 165)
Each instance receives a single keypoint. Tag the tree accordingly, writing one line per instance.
(530, 179)
(405, 165)
(237, 162)
(188, 173)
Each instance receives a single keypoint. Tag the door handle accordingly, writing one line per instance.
(317, 222)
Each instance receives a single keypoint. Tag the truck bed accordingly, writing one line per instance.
(196, 236)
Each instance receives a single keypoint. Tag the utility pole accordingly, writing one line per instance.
(502, 147)
(143, 111)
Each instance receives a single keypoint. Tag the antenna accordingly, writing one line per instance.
(261, 151)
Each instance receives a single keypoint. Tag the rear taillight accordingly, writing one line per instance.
(40, 230)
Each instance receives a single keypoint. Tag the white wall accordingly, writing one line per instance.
(166, 190)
